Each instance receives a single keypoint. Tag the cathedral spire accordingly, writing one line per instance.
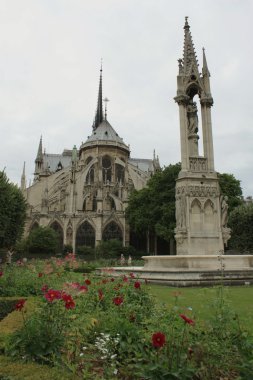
(99, 116)
(190, 62)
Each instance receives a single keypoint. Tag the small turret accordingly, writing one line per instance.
(23, 180)
(206, 75)
(38, 162)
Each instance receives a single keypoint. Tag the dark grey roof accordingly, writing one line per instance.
(144, 164)
(105, 134)
(51, 161)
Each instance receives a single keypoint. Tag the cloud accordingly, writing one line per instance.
(49, 69)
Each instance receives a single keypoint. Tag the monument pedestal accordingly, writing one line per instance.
(195, 270)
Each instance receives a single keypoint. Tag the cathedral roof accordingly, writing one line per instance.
(104, 134)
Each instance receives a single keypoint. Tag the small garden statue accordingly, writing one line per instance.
(9, 256)
(122, 259)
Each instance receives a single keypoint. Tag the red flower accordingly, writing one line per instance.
(87, 281)
(112, 279)
(125, 279)
(131, 275)
(137, 285)
(104, 281)
(118, 300)
(69, 302)
(100, 294)
(44, 288)
(40, 274)
(19, 306)
(83, 288)
(187, 320)
(158, 340)
(52, 295)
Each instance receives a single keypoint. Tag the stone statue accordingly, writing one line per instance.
(224, 211)
(192, 114)
(180, 210)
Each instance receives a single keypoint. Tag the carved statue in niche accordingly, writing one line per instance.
(224, 211)
(192, 114)
(181, 210)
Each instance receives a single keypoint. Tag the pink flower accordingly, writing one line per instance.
(158, 340)
(100, 294)
(187, 320)
(137, 285)
(19, 306)
(131, 275)
(75, 285)
(118, 300)
(125, 279)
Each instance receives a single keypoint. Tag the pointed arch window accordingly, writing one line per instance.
(85, 235)
(34, 226)
(112, 231)
(58, 229)
(107, 169)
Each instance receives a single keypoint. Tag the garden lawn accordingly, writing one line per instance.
(19, 370)
(201, 300)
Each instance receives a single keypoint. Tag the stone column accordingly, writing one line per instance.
(207, 132)
(182, 101)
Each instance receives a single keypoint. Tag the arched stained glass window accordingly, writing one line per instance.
(85, 235)
(112, 231)
(58, 229)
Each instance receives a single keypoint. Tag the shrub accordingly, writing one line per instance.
(241, 223)
(43, 240)
(109, 249)
(85, 251)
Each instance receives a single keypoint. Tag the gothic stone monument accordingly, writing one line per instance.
(201, 212)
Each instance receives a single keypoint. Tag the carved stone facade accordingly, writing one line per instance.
(83, 194)
(201, 212)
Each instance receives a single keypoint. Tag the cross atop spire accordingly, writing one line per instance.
(99, 116)
(189, 58)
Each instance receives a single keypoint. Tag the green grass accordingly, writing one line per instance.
(201, 300)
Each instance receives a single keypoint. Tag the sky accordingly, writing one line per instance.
(50, 55)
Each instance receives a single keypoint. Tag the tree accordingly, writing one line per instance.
(153, 208)
(12, 212)
(241, 223)
(42, 240)
(231, 187)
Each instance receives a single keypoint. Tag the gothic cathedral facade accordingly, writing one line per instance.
(83, 193)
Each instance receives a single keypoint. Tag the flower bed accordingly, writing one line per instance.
(111, 328)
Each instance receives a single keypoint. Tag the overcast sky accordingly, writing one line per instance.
(50, 53)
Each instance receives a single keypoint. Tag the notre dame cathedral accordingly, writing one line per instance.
(83, 193)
